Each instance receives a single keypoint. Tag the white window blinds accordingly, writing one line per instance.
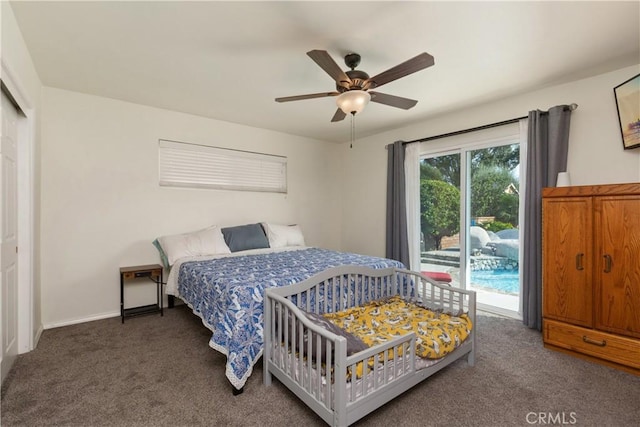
(200, 166)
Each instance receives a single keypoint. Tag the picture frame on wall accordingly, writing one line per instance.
(628, 104)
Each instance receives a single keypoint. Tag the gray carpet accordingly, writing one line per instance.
(155, 371)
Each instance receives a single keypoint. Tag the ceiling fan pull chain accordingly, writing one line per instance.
(353, 129)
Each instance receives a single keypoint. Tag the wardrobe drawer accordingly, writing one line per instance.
(622, 350)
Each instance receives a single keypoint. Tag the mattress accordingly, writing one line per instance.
(377, 322)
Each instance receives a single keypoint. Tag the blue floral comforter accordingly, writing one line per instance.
(227, 293)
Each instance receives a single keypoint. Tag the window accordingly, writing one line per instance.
(200, 166)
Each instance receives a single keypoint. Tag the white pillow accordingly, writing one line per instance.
(209, 241)
(284, 235)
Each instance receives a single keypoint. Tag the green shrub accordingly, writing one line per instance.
(496, 226)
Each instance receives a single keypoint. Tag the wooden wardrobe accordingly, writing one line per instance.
(591, 273)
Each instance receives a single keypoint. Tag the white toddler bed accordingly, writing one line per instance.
(350, 382)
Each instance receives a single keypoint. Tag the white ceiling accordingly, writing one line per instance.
(229, 60)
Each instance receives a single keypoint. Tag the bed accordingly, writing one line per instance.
(226, 289)
(332, 373)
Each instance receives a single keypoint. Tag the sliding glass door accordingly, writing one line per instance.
(470, 220)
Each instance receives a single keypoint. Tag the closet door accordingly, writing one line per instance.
(8, 236)
(567, 254)
(618, 264)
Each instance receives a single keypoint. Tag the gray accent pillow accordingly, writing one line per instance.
(354, 344)
(244, 237)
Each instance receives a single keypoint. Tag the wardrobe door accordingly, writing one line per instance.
(618, 264)
(567, 254)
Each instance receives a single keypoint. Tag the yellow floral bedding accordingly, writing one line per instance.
(379, 321)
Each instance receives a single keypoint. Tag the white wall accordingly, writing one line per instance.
(596, 154)
(19, 73)
(102, 205)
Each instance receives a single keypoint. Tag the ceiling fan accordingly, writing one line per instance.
(353, 86)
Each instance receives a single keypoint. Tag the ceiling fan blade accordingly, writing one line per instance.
(392, 100)
(309, 96)
(417, 63)
(339, 115)
(324, 60)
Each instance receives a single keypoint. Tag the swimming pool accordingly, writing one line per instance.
(501, 280)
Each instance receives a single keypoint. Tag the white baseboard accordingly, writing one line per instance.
(102, 316)
(82, 320)
(36, 339)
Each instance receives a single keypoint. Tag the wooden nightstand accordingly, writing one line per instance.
(154, 273)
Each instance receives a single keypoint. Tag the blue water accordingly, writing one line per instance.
(500, 280)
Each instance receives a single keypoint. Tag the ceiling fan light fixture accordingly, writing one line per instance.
(353, 101)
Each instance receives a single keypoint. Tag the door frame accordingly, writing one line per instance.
(27, 333)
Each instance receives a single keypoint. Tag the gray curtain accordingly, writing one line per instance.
(547, 147)
(397, 244)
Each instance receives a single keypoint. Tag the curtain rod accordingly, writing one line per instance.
(477, 128)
